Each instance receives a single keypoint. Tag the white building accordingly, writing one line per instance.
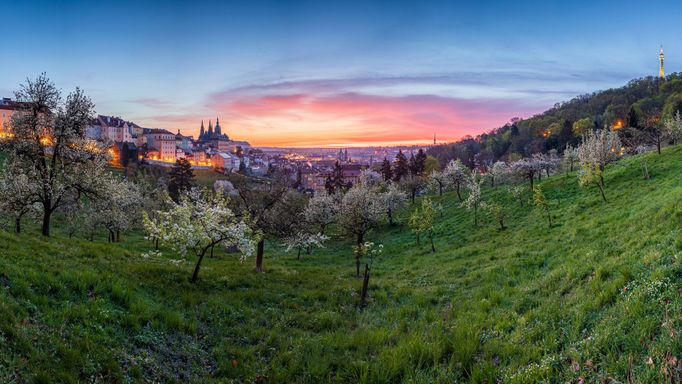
(162, 141)
(222, 160)
(114, 129)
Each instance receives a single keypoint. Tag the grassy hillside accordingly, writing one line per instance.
(597, 297)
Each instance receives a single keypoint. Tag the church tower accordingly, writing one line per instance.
(202, 131)
(210, 128)
(217, 127)
(661, 70)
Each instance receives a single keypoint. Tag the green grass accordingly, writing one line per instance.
(597, 296)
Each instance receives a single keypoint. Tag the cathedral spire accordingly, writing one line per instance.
(210, 128)
(202, 131)
(661, 70)
(218, 130)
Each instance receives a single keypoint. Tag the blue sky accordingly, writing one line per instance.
(328, 73)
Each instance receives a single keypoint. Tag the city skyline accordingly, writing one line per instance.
(298, 74)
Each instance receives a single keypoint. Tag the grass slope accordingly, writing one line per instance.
(595, 298)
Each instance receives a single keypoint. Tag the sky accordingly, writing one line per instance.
(335, 73)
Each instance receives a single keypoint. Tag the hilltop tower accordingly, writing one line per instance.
(202, 131)
(218, 129)
(661, 70)
(210, 128)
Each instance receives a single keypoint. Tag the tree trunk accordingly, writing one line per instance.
(601, 190)
(658, 146)
(601, 179)
(390, 216)
(47, 216)
(299, 254)
(118, 236)
(195, 275)
(459, 196)
(502, 227)
(259, 256)
(531, 182)
(211, 255)
(17, 225)
(156, 244)
(365, 287)
(440, 189)
(433, 247)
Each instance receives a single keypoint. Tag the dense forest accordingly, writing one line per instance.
(637, 110)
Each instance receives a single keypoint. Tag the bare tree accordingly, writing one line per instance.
(273, 209)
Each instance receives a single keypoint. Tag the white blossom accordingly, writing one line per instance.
(199, 222)
(456, 172)
(394, 200)
(473, 200)
(369, 178)
(322, 210)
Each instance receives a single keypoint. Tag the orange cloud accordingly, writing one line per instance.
(347, 113)
(359, 119)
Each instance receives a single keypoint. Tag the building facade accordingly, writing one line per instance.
(163, 142)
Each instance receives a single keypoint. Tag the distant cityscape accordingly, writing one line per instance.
(215, 150)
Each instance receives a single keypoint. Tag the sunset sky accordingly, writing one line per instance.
(319, 73)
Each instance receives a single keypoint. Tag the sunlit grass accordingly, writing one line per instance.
(596, 296)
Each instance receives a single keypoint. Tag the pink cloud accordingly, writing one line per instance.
(350, 118)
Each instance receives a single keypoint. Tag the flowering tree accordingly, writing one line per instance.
(412, 185)
(225, 186)
(456, 172)
(547, 162)
(117, 208)
(570, 158)
(322, 210)
(597, 151)
(473, 200)
(394, 200)
(361, 210)
(422, 219)
(526, 168)
(15, 194)
(438, 180)
(303, 240)
(370, 178)
(497, 171)
(197, 223)
(672, 128)
(49, 146)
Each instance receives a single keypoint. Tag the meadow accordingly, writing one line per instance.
(595, 298)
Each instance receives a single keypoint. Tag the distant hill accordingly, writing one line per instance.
(640, 102)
